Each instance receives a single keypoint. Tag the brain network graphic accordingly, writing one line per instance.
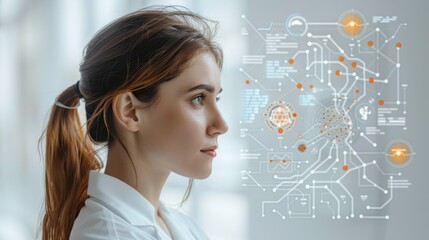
(323, 115)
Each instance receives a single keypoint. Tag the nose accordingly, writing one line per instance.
(218, 125)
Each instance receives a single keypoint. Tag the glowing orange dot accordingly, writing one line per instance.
(338, 72)
(299, 85)
(371, 80)
(345, 168)
(352, 24)
(381, 102)
(247, 81)
(291, 61)
(370, 43)
(399, 153)
(398, 45)
(341, 59)
(280, 130)
(283, 161)
(354, 64)
(357, 91)
(294, 114)
(270, 161)
(311, 86)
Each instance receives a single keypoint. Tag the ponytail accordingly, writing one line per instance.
(68, 159)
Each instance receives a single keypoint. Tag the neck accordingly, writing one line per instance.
(141, 174)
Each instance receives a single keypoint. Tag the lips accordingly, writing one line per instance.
(210, 151)
(212, 148)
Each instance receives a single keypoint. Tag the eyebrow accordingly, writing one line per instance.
(205, 87)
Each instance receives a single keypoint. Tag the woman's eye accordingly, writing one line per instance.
(198, 100)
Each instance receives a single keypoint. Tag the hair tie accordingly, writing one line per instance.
(77, 89)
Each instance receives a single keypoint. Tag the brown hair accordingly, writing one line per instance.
(134, 53)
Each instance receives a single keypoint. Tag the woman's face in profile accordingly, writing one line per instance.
(185, 120)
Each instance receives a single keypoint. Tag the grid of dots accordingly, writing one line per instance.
(279, 115)
(335, 124)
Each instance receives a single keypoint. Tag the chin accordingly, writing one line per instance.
(198, 174)
(203, 174)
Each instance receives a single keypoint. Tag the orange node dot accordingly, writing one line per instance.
(338, 72)
(354, 64)
(270, 161)
(345, 168)
(299, 85)
(291, 61)
(381, 102)
(311, 86)
(280, 130)
(247, 81)
(294, 114)
(398, 45)
(283, 161)
(371, 80)
(370, 43)
(341, 58)
(357, 91)
(302, 147)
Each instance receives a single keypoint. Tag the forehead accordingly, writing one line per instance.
(202, 69)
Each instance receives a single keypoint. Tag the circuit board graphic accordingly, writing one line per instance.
(319, 101)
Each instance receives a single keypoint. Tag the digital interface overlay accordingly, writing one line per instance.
(323, 115)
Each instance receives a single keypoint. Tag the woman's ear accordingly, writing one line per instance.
(124, 111)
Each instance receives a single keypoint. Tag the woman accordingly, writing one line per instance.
(150, 82)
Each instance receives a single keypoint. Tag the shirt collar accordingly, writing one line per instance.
(122, 199)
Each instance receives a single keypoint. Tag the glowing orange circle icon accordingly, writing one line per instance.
(399, 153)
(352, 24)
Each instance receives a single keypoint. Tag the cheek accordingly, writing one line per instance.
(178, 131)
(187, 130)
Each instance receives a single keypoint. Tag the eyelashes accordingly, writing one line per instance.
(200, 99)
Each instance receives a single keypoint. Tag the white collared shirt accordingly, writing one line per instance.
(115, 210)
